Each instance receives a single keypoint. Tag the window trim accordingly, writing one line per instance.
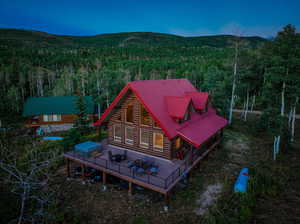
(158, 147)
(143, 144)
(117, 138)
(127, 140)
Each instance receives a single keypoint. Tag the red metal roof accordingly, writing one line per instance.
(177, 105)
(199, 99)
(158, 97)
(201, 127)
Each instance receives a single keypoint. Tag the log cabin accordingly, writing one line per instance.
(167, 124)
(162, 118)
(55, 113)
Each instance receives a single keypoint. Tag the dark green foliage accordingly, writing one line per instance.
(72, 138)
(82, 123)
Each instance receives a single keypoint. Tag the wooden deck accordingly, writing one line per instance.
(169, 172)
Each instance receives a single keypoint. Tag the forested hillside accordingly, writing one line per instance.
(39, 64)
(14, 37)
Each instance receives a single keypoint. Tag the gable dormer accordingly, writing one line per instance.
(179, 107)
(200, 100)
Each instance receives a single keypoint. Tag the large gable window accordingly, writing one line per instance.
(117, 133)
(158, 141)
(129, 113)
(145, 116)
(129, 134)
(144, 138)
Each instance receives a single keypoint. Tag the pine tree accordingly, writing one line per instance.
(81, 124)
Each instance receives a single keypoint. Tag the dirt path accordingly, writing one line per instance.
(238, 148)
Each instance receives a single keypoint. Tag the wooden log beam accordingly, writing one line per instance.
(167, 201)
(104, 178)
(82, 171)
(130, 188)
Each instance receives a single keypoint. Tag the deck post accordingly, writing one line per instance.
(68, 168)
(82, 173)
(167, 202)
(130, 188)
(104, 181)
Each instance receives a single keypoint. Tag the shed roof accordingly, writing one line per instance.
(202, 127)
(55, 105)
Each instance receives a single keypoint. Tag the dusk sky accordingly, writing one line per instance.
(182, 17)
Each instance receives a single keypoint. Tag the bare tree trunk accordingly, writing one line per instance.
(22, 206)
(98, 91)
(83, 86)
(253, 102)
(293, 121)
(282, 99)
(247, 105)
(233, 83)
(107, 103)
(290, 117)
(243, 110)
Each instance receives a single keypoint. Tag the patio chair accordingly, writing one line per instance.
(124, 156)
(149, 161)
(130, 164)
(153, 170)
(140, 171)
(111, 157)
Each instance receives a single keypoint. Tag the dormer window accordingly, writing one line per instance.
(129, 113)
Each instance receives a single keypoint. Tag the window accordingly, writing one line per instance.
(56, 117)
(45, 118)
(158, 141)
(52, 117)
(145, 116)
(144, 138)
(117, 133)
(178, 143)
(129, 133)
(129, 114)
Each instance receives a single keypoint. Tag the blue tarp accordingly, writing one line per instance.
(52, 138)
(242, 181)
(87, 147)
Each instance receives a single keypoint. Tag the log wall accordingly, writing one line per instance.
(118, 117)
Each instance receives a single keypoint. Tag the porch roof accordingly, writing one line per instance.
(202, 128)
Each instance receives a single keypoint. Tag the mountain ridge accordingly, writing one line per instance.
(122, 39)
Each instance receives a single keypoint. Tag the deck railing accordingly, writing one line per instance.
(156, 180)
